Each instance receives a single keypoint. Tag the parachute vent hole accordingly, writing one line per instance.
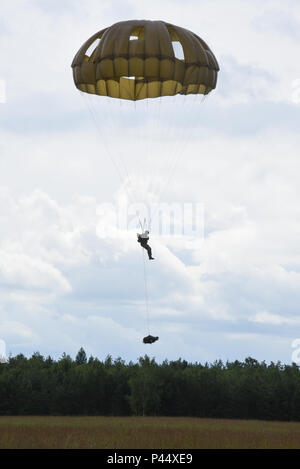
(137, 33)
(178, 50)
(92, 47)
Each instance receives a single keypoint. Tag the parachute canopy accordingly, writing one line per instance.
(138, 59)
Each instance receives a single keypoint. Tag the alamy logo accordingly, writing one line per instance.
(161, 219)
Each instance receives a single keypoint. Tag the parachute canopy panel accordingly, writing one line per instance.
(138, 59)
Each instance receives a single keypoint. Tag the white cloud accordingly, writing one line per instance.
(275, 319)
(21, 271)
(62, 284)
(14, 330)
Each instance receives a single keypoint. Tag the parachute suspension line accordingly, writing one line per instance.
(175, 152)
(143, 173)
(146, 292)
(147, 161)
(123, 113)
(148, 133)
(150, 110)
(162, 136)
(147, 115)
(193, 100)
(147, 166)
(185, 141)
(159, 133)
(176, 157)
(153, 159)
(113, 104)
(117, 165)
(115, 129)
(169, 133)
(174, 149)
(173, 134)
(90, 109)
(134, 168)
(143, 225)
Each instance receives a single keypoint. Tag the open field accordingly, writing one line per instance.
(145, 432)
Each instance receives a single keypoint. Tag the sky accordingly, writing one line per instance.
(71, 272)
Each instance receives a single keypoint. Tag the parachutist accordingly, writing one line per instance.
(138, 60)
(143, 240)
(150, 339)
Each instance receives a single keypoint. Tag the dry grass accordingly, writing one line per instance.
(145, 432)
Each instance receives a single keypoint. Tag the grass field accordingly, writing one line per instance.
(145, 432)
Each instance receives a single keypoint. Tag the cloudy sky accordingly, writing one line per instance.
(69, 275)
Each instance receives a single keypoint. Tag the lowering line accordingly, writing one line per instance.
(143, 226)
(146, 292)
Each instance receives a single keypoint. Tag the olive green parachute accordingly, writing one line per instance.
(135, 60)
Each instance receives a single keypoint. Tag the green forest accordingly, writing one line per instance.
(112, 387)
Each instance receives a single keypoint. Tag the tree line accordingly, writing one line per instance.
(241, 389)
